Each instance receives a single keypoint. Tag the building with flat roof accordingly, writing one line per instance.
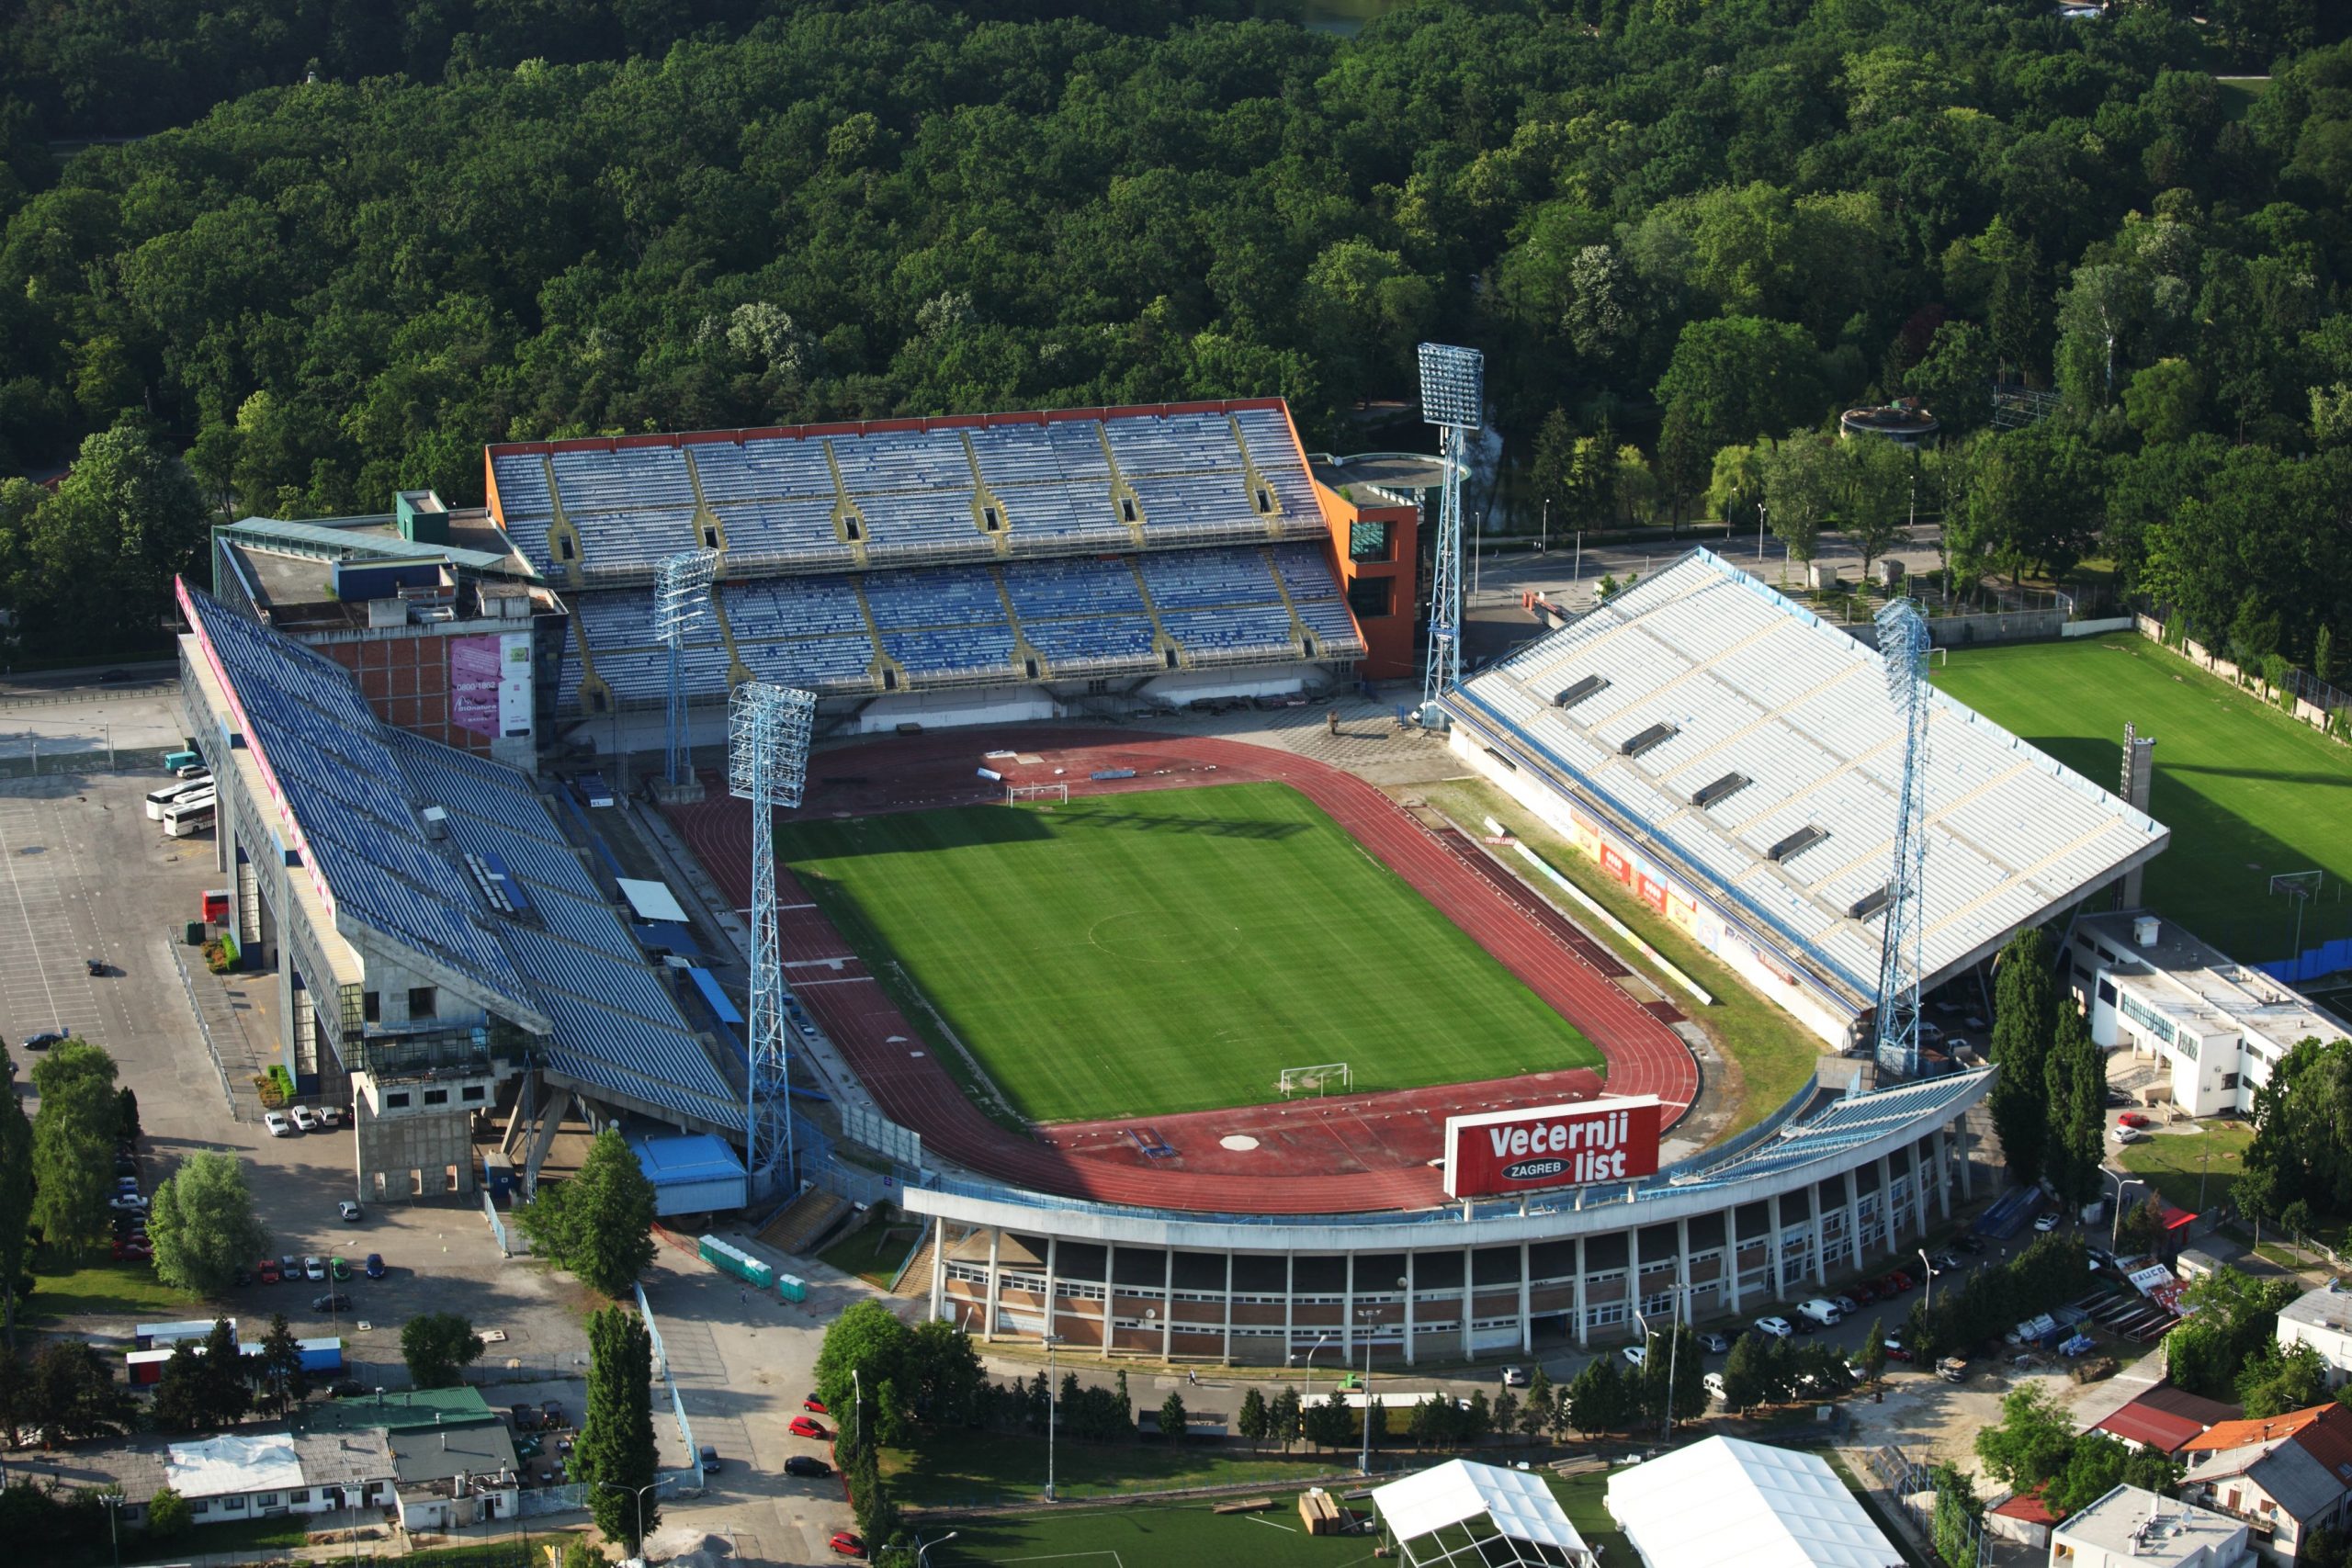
(2218, 1027)
(2323, 1320)
(2133, 1528)
(1728, 1500)
(230, 1477)
(1735, 760)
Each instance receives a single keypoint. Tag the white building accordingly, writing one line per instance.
(2217, 1026)
(233, 1476)
(1727, 1500)
(2132, 1528)
(2323, 1320)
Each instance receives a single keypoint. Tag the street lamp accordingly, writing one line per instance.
(1051, 1394)
(638, 1544)
(1673, 1351)
(1371, 1315)
(922, 1549)
(2115, 1228)
(1928, 1301)
(1308, 1397)
(113, 1501)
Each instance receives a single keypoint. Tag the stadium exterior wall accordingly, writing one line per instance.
(1014, 1266)
(1761, 960)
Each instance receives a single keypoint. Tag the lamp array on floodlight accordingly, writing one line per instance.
(1452, 386)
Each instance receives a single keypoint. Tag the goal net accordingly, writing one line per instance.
(1316, 1080)
(1014, 793)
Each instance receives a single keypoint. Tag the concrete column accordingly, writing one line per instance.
(1886, 1201)
(1854, 1217)
(1110, 1297)
(1820, 1246)
(1780, 1275)
(1226, 1354)
(552, 1123)
(1682, 1266)
(1290, 1300)
(1584, 1333)
(1412, 1293)
(1730, 1295)
(1526, 1305)
(1943, 1171)
(1919, 1190)
(987, 1319)
(1633, 1272)
(1469, 1295)
(939, 1265)
(1346, 1308)
(1168, 1308)
(1967, 1167)
(1053, 1288)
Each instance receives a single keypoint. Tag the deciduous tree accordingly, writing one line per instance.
(203, 1223)
(599, 1224)
(438, 1347)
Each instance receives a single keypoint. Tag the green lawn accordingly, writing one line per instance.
(1775, 1054)
(2174, 1163)
(873, 1254)
(1171, 951)
(104, 1288)
(2246, 791)
(957, 1470)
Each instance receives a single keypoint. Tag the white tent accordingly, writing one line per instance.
(1467, 1513)
(1765, 1507)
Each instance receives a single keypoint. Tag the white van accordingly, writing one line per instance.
(1822, 1312)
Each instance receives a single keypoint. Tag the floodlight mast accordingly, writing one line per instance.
(680, 598)
(1903, 642)
(1453, 388)
(767, 764)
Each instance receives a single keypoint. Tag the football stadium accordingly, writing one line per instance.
(1179, 1043)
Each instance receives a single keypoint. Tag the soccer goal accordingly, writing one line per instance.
(1316, 1080)
(1016, 793)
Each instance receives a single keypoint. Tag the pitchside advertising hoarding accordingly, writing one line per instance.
(1500, 1153)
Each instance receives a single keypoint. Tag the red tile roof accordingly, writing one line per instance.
(2323, 1431)
(2028, 1507)
(2166, 1417)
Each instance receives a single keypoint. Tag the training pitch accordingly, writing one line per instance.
(1142, 953)
(2246, 791)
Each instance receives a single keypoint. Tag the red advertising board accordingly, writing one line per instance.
(1498, 1153)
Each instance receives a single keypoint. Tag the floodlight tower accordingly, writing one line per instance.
(767, 764)
(1452, 387)
(1903, 643)
(681, 597)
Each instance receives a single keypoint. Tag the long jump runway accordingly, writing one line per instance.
(1303, 1157)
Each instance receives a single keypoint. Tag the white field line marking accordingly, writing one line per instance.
(32, 937)
(1269, 1524)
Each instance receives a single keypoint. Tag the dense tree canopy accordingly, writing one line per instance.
(375, 238)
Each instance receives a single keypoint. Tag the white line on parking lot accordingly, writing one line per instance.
(32, 938)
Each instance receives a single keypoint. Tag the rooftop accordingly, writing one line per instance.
(2132, 1522)
(422, 1455)
(1764, 1507)
(2166, 1417)
(2202, 990)
(396, 1411)
(216, 1466)
(2329, 1306)
(2304, 1459)
(1752, 747)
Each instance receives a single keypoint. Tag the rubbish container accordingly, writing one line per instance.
(194, 935)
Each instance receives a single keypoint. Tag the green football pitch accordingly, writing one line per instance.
(1147, 954)
(2246, 791)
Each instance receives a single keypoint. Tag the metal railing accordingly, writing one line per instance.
(204, 1030)
(1907, 1479)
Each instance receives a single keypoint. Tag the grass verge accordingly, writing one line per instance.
(103, 1289)
(950, 1470)
(1772, 1052)
(873, 1254)
(1131, 954)
(2178, 1164)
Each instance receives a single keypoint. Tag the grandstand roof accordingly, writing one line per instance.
(559, 961)
(1703, 683)
(891, 493)
(1820, 1133)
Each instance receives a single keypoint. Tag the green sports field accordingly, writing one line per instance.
(2246, 791)
(1147, 954)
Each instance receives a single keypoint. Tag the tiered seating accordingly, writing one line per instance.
(1246, 629)
(933, 596)
(813, 664)
(968, 650)
(1075, 586)
(1190, 578)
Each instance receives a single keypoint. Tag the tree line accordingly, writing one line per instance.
(1686, 229)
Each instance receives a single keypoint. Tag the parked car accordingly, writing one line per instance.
(1946, 1263)
(2128, 1135)
(278, 1126)
(1894, 1284)
(1863, 1293)
(551, 1413)
(2046, 1221)
(1847, 1305)
(1777, 1327)
(1714, 1385)
(2117, 1097)
(330, 1116)
(266, 1271)
(1713, 1343)
(1635, 1355)
(289, 1267)
(337, 1270)
(47, 1038)
(133, 1249)
(1968, 1242)
(807, 1464)
(1823, 1313)
(351, 1212)
(1514, 1376)
(803, 1426)
(525, 1418)
(313, 1269)
(128, 1204)
(1896, 1349)
(2132, 1119)
(350, 1388)
(333, 1301)
(710, 1465)
(849, 1543)
(305, 1118)
(375, 1266)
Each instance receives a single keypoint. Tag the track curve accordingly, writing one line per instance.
(889, 1056)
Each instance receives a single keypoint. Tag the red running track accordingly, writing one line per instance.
(1643, 1056)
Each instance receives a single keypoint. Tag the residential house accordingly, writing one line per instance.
(2323, 1320)
(2285, 1475)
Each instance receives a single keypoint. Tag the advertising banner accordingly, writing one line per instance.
(1498, 1153)
(475, 665)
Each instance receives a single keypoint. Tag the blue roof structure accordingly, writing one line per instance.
(1827, 1131)
(358, 790)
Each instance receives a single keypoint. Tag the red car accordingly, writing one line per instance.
(266, 1271)
(802, 1426)
(1894, 1284)
(1864, 1292)
(136, 1247)
(2132, 1119)
(815, 1403)
(849, 1543)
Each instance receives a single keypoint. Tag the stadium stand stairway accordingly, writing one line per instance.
(806, 1222)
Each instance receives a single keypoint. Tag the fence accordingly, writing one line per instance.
(693, 1474)
(1906, 1480)
(497, 1227)
(204, 1030)
(822, 1164)
(2299, 694)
